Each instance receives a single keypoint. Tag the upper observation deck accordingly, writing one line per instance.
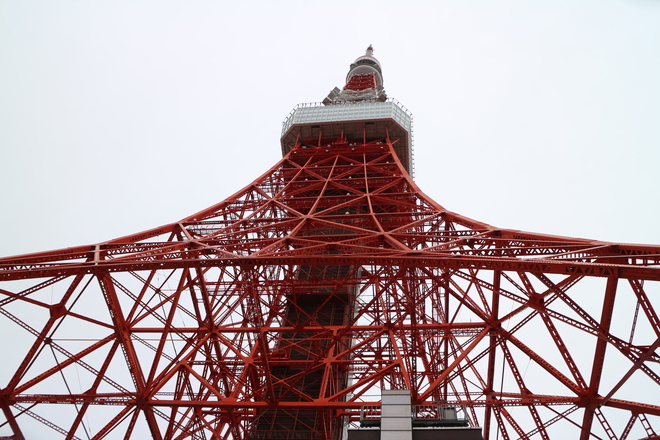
(358, 120)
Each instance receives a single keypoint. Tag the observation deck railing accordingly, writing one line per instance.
(421, 415)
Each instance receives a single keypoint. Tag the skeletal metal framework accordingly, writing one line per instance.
(289, 306)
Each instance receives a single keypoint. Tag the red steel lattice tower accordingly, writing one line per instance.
(284, 310)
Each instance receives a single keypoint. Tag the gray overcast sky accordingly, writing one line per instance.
(119, 116)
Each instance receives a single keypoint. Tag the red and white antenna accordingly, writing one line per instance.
(364, 81)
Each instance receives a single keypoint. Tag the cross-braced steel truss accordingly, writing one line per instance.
(289, 306)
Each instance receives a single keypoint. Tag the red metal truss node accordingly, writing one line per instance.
(284, 310)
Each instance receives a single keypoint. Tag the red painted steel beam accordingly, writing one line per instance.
(590, 403)
(492, 355)
(440, 262)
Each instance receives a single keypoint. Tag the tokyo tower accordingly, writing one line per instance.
(323, 298)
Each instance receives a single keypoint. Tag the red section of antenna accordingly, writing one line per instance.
(285, 309)
(361, 82)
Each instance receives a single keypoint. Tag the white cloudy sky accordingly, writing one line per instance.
(117, 116)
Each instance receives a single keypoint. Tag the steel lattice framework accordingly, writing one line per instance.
(289, 306)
